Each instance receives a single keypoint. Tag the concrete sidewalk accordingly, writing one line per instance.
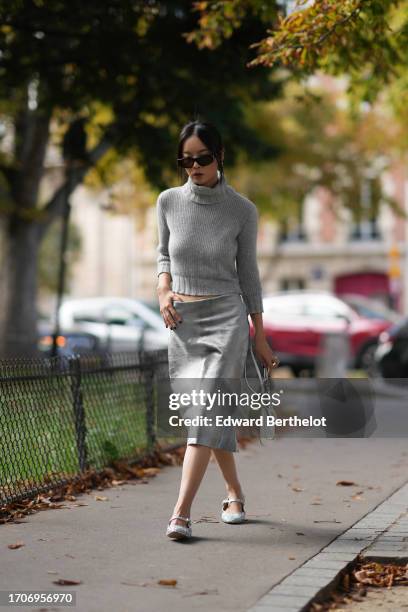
(118, 550)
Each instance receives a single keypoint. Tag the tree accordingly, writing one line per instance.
(321, 144)
(365, 39)
(60, 61)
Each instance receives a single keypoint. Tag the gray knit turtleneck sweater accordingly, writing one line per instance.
(203, 232)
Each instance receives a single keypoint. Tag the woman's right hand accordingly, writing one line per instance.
(170, 315)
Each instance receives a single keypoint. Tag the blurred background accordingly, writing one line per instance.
(92, 99)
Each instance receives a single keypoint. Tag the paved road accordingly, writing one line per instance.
(294, 509)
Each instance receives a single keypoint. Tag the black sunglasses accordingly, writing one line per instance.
(202, 160)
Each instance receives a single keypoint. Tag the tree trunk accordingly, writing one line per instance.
(18, 296)
(22, 232)
(18, 274)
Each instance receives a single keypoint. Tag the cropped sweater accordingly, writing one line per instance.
(207, 241)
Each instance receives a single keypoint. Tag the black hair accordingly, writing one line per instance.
(209, 135)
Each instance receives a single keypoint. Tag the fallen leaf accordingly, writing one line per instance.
(345, 483)
(100, 498)
(151, 471)
(207, 592)
(168, 582)
(16, 545)
(64, 581)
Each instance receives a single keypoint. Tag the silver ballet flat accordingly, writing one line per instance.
(179, 532)
(232, 517)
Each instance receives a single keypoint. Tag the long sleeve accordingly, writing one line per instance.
(247, 266)
(163, 258)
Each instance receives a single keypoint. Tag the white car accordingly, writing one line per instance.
(120, 324)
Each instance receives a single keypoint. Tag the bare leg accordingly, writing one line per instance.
(226, 461)
(195, 463)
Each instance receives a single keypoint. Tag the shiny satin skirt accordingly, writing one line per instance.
(207, 352)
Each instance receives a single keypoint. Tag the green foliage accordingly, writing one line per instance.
(365, 39)
(131, 59)
(321, 143)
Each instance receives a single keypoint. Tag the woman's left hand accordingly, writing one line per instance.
(265, 353)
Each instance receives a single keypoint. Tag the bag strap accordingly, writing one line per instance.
(264, 381)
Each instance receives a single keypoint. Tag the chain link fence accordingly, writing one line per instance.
(63, 415)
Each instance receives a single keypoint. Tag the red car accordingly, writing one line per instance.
(296, 321)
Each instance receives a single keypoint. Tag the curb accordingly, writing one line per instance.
(381, 535)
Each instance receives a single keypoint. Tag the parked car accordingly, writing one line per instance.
(295, 323)
(371, 308)
(120, 324)
(68, 343)
(391, 355)
(153, 305)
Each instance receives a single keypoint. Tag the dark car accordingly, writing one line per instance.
(68, 343)
(391, 355)
(296, 322)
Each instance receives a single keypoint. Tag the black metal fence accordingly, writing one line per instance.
(60, 416)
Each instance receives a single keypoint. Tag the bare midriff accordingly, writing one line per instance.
(182, 297)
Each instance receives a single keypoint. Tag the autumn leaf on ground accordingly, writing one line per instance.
(206, 592)
(170, 582)
(381, 574)
(345, 483)
(151, 471)
(16, 545)
(356, 496)
(66, 582)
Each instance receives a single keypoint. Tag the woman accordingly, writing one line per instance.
(208, 283)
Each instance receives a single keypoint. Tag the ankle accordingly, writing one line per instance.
(235, 493)
(182, 512)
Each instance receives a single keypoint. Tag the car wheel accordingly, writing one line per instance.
(299, 371)
(366, 359)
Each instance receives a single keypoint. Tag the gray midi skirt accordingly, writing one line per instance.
(207, 352)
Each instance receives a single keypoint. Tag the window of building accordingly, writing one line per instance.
(286, 284)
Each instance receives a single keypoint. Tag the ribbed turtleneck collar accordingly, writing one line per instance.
(201, 194)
